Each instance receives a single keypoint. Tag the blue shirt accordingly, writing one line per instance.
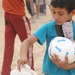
(45, 34)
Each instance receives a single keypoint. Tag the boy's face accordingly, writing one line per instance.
(60, 15)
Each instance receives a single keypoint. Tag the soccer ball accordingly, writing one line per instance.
(62, 47)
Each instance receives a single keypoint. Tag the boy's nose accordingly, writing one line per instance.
(56, 17)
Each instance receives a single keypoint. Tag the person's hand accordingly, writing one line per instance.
(59, 63)
(21, 62)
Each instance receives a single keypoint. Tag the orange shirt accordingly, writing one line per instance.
(16, 7)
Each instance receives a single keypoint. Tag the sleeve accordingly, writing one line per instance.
(74, 30)
(41, 34)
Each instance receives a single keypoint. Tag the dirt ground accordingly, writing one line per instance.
(38, 49)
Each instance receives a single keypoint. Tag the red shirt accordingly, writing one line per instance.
(16, 7)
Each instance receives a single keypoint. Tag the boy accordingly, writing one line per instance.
(62, 11)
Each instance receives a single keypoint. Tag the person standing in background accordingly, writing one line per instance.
(38, 3)
(16, 23)
(43, 9)
(30, 8)
(47, 2)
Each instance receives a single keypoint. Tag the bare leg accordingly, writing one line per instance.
(37, 10)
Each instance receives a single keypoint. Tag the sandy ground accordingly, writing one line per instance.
(38, 50)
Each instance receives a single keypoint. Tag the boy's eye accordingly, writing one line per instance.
(60, 14)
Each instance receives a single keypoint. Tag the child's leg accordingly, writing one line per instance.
(30, 7)
(15, 25)
(43, 8)
(9, 46)
(22, 26)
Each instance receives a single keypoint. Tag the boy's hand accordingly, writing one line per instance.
(59, 63)
(21, 62)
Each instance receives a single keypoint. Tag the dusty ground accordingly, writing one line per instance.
(38, 50)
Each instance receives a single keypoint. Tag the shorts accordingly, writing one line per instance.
(47, 2)
(39, 2)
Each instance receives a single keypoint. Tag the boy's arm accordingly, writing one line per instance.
(24, 48)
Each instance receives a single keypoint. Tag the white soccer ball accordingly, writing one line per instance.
(62, 47)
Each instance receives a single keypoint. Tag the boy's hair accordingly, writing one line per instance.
(68, 4)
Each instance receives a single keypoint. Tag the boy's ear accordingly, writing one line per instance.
(73, 12)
